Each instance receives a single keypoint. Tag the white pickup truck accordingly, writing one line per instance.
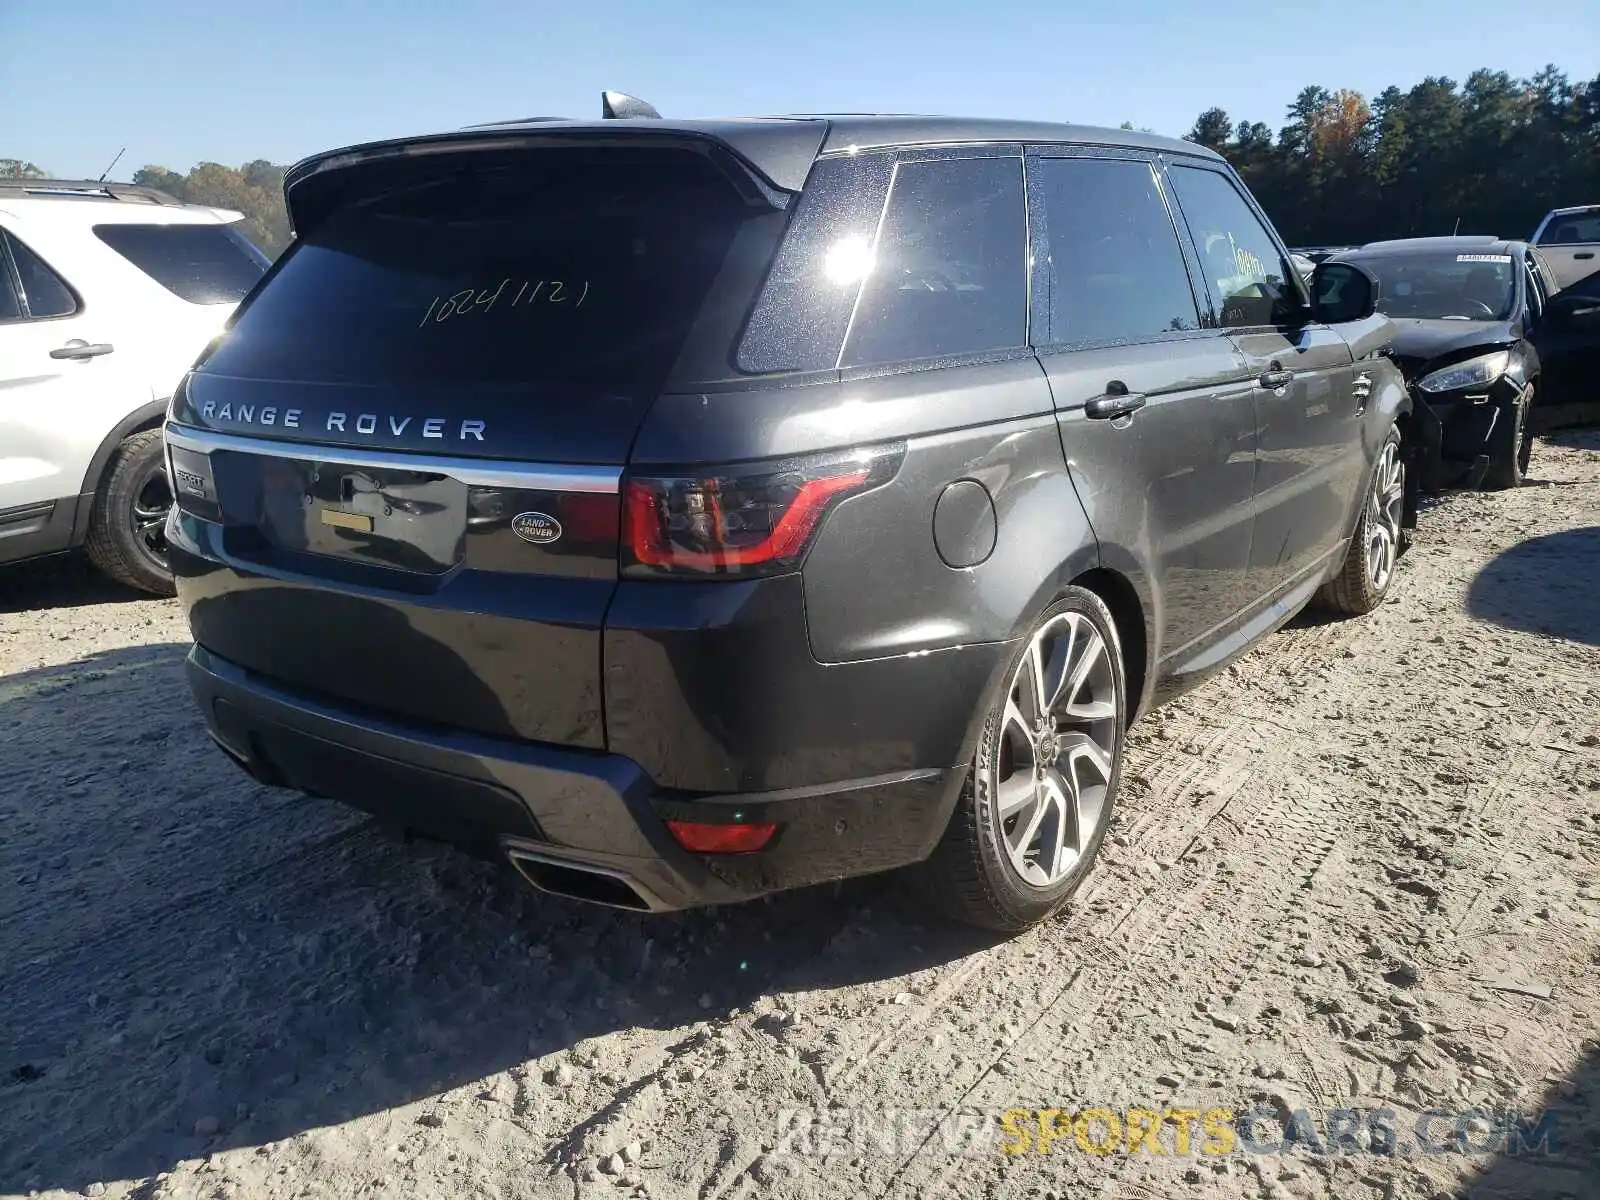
(1569, 241)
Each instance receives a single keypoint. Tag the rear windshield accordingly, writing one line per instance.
(568, 266)
(203, 264)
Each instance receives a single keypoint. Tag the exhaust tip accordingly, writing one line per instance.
(579, 881)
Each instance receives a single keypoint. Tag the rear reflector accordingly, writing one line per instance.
(704, 838)
(756, 520)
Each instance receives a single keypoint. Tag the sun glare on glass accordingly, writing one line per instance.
(848, 261)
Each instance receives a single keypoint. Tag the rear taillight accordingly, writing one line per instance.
(756, 520)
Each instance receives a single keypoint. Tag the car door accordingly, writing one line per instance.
(1310, 461)
(1569, 352)
(1155, 412)
(59, 383)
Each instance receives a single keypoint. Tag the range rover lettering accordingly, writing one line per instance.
(750, 504)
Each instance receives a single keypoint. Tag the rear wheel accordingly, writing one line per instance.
(1510, 448)
(1039, 795)
(127, 530)
(1369, 564)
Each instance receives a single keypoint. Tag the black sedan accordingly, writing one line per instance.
(1491, 350)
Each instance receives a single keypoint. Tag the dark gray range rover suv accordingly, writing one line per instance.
(691, 510)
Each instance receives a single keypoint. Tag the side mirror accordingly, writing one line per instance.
(1341, 292)
(1574, 312)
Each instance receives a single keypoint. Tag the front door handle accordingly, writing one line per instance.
(78, 348)
(1276, 379)
(1113, 404)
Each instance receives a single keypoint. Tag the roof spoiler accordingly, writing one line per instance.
(617, 106)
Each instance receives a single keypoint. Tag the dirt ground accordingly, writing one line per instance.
(1358, 870)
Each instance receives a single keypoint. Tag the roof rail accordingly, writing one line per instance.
(86, 187)
(512, 121)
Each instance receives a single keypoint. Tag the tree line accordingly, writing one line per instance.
(1490, 155)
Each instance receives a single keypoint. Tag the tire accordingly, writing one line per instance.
(1510, 447)
(1369, 565)
(126, 538)
(989, 870)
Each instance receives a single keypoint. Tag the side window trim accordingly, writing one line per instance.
(924, 154)
(10, 278)
(1286, 264)
(1041, 301)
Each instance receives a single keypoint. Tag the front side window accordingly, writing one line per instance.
(1114, 266)
(1536, 296)
(1572, 229)
(948, 274)
(45, 293)
(1250, 282)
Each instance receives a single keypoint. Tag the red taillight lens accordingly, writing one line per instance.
(755, 521)
(703, 838)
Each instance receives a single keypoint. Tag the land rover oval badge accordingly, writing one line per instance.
(539, 528)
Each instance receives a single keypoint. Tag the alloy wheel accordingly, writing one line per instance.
(1385, 508)
(152, 501)
(1054, 758)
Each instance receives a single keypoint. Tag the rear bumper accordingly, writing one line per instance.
(564, 812)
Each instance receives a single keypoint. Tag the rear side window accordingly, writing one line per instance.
(43, 291)
(1113, 263)
(949, 273)
(1251, 284)
(582, 266)
(203, 264)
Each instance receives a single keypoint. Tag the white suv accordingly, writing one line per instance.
(108, 293)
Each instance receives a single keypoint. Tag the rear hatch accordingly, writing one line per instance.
(408, 447)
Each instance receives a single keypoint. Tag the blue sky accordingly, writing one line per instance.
(182, 81)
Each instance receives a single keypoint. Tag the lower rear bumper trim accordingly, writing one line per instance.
(575, 822)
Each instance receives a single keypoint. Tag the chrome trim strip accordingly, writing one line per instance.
(476, 472)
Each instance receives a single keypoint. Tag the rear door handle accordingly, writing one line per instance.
(1113, 404)
(77, 348)
(1276, 379)
(1584, 254)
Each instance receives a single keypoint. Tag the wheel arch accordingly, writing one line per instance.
(1127, 610)
(146, 416)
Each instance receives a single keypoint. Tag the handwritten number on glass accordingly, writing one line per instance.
(470, 301)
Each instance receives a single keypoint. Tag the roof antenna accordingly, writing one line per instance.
(114, 162)
(615, 106)
(1457, 229)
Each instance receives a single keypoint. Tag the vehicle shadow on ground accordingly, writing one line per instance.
(69, 579)
(1565, 1168)
(190, 961)
(1548, 585)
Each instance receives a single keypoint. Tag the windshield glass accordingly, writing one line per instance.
(1459, 287)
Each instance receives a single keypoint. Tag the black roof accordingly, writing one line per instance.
(1459, 244)
(782, 148)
